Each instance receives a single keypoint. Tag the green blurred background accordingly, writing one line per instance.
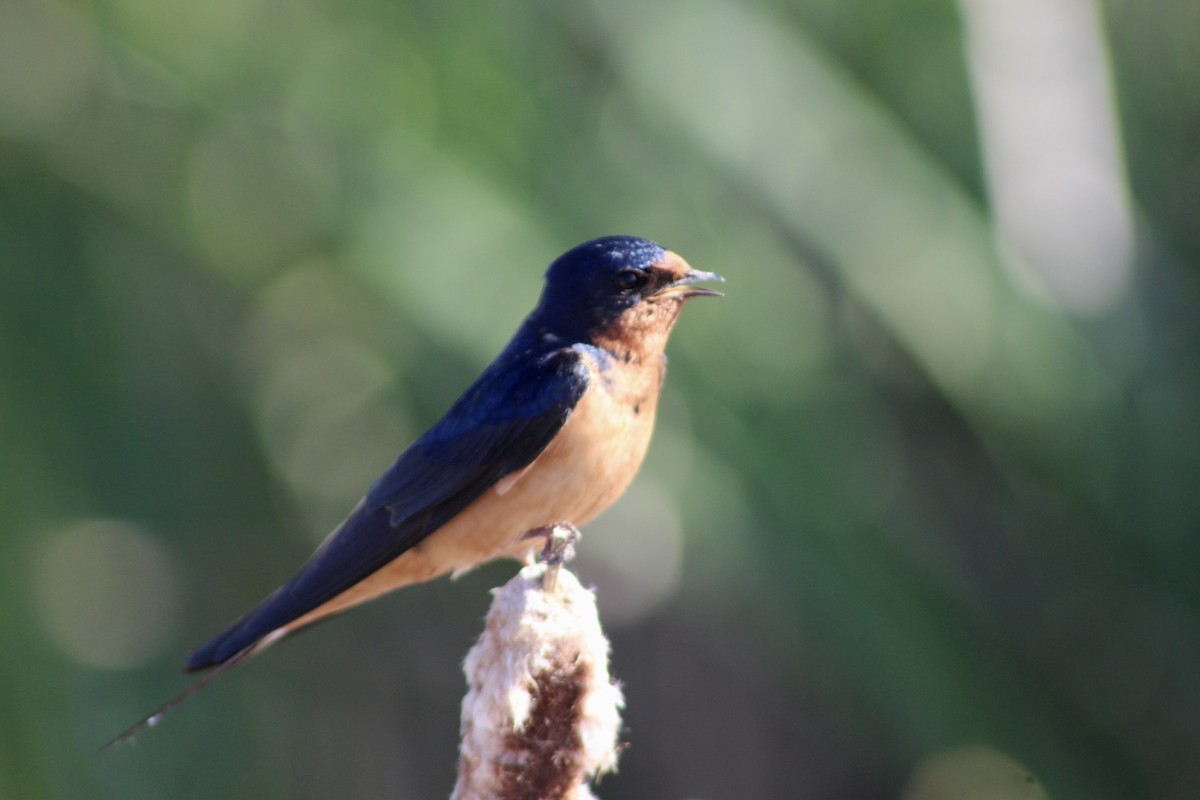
(922, 507)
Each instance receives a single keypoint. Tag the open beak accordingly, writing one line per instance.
(682, 276)
(682, 286)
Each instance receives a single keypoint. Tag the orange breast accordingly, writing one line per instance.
(588, 465)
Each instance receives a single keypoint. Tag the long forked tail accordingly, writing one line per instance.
(153, 718)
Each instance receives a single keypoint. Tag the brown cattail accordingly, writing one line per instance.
(541, 714)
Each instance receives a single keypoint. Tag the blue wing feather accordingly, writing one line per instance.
(499, 426)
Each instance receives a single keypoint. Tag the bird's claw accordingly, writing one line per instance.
(559, 549)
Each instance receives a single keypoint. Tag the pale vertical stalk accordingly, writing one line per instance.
(1048, 125)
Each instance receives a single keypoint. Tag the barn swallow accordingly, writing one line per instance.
(552, 432)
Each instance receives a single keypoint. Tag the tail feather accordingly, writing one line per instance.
(155, 716)
(258, 627)
(223, 647)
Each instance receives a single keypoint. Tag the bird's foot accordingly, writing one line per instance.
(560, 548)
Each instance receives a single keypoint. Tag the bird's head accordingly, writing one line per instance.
(620, 292)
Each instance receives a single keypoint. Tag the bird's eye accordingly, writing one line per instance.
(629, 279)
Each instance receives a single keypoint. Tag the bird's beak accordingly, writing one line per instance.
(681, 287)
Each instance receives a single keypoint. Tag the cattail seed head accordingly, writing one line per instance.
(540, 714)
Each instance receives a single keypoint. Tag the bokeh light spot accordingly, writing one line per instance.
(484, 251)
(47, 63)
(978, 773)
(105, 592)
(634, 551)
(321, 397)
(259, 199)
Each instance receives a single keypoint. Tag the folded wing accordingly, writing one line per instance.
(499, 426)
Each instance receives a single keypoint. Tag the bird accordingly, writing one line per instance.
(550, 434)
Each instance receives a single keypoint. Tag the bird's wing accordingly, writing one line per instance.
(499, 426)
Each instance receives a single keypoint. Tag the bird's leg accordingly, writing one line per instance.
(560, 548)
